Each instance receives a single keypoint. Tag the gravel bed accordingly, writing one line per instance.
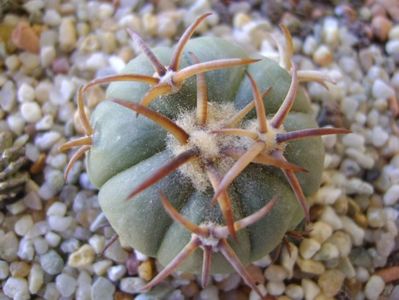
(53, 236)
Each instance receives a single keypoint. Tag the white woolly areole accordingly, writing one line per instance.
(208, 143)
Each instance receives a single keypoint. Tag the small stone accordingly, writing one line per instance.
(342, 241)
(116, 253)
(381, 27)
(57, 209)
(25, 93)
(294, 291)
(321, 231)
(51, 17)
(379, 136)
(288, 258)
(67, 34)
(23, 225)
(30, 62)
(323, 56)
(101, 267)
(310, 289)
(52, 239)
(8, 246)
(209, 293)
(3, 269)
(116, 272)
(19, 269)
(97, 242)
(275, 273)
(254, 296)
(12, 62)
(65, 284)
(102, 288)
(346, 267)
(36, 279)
(84, 256)
(391, 196)
(47, 56)
(311, 266)
(374, 287)
(382, 90)
(146, 270)
(330, 217)
(331, 282)
(327, 251)
(167, 26)
(16, 288)
(275, 288)
(308, 248)
(356, 232)
(376, 217)
(132, 285)
(58, 223)
(150, 23)
(52, 262)
(31, 112)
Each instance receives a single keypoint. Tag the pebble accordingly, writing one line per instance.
(19, 269)
(323, 56)
(36, 278)
(375, 217)
(67, 34)
(275, 273)
(101, 267)
(342, 241)
(374, 287)
(25, 93)
(392, 47)
(132, 285)
(288, 258)
(116, 272)
(52, 262)
(3, 269)
(294, 291)
(97, 242)
(84, 256)
(116, 253)
(327, 252)
(51, 292)
(47, 56)
(59, 224)
(308, 248)
(391, 196)
(52, 239)
(8, 246)
(146, 270)
(209, 293)
(330, 217)
(254, 296)
(275, 288)
(356, 232)
(321, 231)
(310, 289)
(311, 266)
(23, 225)
(65, 284)
(102, 288)
(381, 27)
(52, 17)
(16, 288)
(382, 90)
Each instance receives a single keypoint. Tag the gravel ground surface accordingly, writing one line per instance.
(52, 232)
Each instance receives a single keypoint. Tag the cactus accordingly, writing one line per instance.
(203, 155)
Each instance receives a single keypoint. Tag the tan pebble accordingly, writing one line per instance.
(342, 241)
(311, 266)
(150, 23)
(146, 270)
(67, 34)
(90, 43)
(275, 273)
(381, 27)
(190, 290)
(24, 37)
(82, 257)
(323, 56)
(375, 217)
(341, 205)
(308, 248)
(288, 258)
(327, 251)
(19, 269)
(108, 42)
(122, 296)
(310, 289)
(320, 231)
(346, 267)
(323, 297)
(331, 282)
(240, 20)
(126, 54)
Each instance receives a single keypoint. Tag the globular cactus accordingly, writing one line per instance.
(167, 146)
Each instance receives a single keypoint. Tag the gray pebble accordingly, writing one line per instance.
(65, 284)
(103, 289)
(52, 262)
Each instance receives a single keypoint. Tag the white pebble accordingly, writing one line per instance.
(25, 93)
(16, 123)
(374, 287)
(101, 267)
(355, 231)
(51, 17)
(3, 269)
(392, 47)
(132, 285)
(66, 284)
(23, 225)
(102, 288)
(382, 90)
(26, 250)
(310, 289)
(58, 223)
(47, 56)
(57, 209)
(308, 248)
(36, 278)
(116, 272)
(330, 217)
(52, 238)
(294, 291)
(31, 112)
(16, 288)
(45, 123)
(275, 288)
(391, 196)
(275, 273)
